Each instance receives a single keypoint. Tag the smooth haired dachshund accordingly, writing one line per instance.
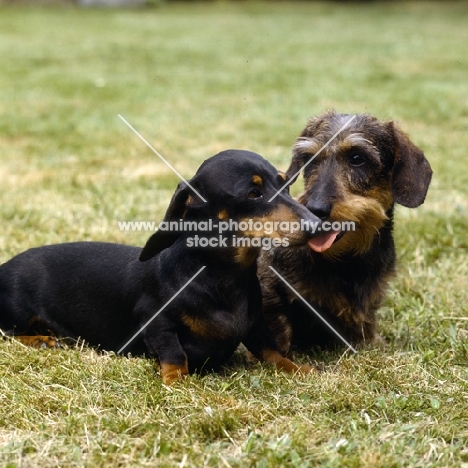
(105, 293)
(357, 177)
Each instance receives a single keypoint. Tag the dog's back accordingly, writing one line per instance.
(80, 289)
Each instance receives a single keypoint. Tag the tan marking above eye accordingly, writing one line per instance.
(256, 179)
(282, 175)
(223, 214)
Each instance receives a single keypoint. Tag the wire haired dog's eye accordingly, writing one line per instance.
(255, 193)
(357, 160)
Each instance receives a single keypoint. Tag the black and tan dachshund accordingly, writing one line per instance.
(105, 293)
(343, 273)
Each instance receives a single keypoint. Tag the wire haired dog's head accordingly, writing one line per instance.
(357, 177)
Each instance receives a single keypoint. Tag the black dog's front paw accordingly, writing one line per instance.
(173, 372)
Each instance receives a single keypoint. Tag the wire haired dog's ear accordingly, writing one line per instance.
(298, 160)
(162, 239)
(411, 171)
(306, 145)
(283, 176)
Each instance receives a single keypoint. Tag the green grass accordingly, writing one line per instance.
(195, 79)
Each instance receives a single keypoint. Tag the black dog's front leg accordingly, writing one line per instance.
(262, 345)
(165, 345)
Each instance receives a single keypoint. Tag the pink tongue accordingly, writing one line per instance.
(323, 241)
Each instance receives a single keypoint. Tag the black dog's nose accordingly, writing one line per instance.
(321, 209)
(312, 224)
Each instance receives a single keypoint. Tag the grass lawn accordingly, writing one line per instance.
(195, 79)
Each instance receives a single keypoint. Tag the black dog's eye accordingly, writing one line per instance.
(357, 160)
(255, 193)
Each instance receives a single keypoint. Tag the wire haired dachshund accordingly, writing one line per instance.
(107, 293)
(356, 177)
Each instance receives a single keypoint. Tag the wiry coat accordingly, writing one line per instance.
(358, 177)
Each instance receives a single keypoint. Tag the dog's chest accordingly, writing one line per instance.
(227, 321)
(227, 312)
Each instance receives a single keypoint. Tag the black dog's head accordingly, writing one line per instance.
(243, 191)
(355, 169)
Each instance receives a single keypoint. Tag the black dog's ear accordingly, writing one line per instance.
(162, 239)
(412, 172)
